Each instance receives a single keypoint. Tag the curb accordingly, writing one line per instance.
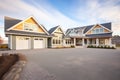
(14, 72)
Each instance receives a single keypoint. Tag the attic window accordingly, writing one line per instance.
(97, 30)
(30, 27)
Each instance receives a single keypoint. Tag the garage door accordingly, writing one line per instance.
(38, 43)
(23, 43)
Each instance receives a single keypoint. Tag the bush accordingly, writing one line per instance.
(113, 47)
(90, 46)
(3, 46)
(104, 47)
(108, 47)
(101, 46)
(72, 46)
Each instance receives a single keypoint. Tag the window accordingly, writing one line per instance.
(53, 41)
(56, 41)
(101, 30)
(36, 39)
(30, 27)
(26, 38)
(66, 41)
(98, 30)
(59, 41)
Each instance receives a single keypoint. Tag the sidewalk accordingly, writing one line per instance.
(32, 72)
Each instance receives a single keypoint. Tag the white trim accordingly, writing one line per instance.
(27, 31)
(105, 27)
(99, 33)
(28, 34)
(98, 25)
(25, 20)
(57, 28)
(10, 41)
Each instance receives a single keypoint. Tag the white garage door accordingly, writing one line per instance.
(38, 43)
(23, 43)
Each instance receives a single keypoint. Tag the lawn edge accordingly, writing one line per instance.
(16, 69)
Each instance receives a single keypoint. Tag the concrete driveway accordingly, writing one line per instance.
(72, 64)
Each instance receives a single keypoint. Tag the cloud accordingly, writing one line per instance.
(100, 11)
(91, 12)
(44, 13)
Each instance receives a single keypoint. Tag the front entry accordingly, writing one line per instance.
(78, 42)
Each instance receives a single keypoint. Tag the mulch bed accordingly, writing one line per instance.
(6, 61)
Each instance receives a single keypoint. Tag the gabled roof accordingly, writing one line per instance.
(77, 28)
(12, 22)
(87, 28)
(52, 30)
(106, 25)
(9, 22)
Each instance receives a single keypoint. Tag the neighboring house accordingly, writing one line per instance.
(116, 40)
(57, 37)
(25, 34)
(98, 35)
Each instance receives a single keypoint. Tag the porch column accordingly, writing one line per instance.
(110, 41)
(10, 41)
(64, 43)
(88, 42)
(83, 43)
(97, 42)
(74, 41)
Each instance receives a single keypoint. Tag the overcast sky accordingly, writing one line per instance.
(67, 13)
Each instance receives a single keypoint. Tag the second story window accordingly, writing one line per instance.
(97, 30)
(30, 27)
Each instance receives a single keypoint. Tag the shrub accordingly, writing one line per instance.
(91, 46)
(113, 47)
(108, 47)
(72, 46)
(88, 46)
(4, 46)
(101, 46)
(105, 46)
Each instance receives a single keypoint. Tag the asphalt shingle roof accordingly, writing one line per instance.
(52, 29)
(86, 28)
(107, 25)
(9, 22)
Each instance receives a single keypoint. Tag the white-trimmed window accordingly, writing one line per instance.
(30, 27)
(97, 30)
(53, 41)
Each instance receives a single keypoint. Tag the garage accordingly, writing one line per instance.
(23, 42)
(38, 43)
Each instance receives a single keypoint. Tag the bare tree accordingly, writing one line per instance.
(1, 40)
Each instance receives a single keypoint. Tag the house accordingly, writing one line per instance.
(25, 34)
(29, 34)
(57, 38)
(116, 40)
(98, 35)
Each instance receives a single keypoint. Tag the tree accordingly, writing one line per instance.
(1, 40)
